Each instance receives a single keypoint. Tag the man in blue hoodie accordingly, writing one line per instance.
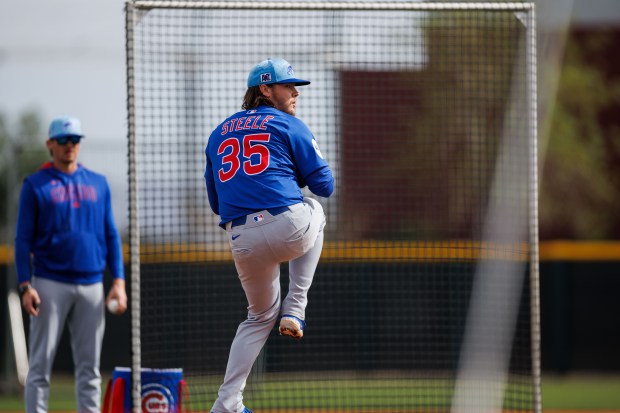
(65, 238)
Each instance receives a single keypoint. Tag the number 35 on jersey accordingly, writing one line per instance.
(251, 155)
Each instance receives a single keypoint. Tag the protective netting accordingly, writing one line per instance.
(423, 298)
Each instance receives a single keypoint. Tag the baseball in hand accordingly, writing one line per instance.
(113, 306)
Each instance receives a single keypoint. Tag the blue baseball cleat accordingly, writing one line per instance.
(292, 326)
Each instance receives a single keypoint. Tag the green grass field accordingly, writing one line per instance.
(574, 392)
(580, 392)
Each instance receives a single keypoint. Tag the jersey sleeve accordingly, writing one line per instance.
(26, 226)
(313, 168)
(321, 182)
(114, 258)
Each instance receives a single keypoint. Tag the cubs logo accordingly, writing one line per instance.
(316, 149)
(157, 398)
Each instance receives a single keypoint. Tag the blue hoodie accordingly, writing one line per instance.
(65, 221)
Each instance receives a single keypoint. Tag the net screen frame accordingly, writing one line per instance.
(426, 295)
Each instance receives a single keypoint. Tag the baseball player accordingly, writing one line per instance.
(257, 162)
(65, 238)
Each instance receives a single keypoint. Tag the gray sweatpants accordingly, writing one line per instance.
(258, 248)
(81, 307)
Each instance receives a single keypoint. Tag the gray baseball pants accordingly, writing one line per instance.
(81, 308)
(258, 248)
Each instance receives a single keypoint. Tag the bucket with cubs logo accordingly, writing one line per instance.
(162, 391)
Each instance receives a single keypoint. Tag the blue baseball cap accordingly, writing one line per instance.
(273, 71)
(65, 126)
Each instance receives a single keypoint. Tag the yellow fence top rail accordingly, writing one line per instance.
(393, 251)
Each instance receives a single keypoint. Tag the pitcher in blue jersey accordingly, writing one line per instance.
(257, 162)
(65, 223)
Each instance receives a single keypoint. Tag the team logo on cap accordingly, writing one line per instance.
(265, 77)
(289, 70)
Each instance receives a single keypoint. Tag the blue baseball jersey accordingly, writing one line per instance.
(261, 158)
(65, 221)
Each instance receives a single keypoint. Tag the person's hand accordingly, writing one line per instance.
(117, 292)
(31, 301)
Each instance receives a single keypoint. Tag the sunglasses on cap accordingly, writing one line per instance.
(62, 140)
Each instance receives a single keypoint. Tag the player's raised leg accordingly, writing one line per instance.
(301, 271)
